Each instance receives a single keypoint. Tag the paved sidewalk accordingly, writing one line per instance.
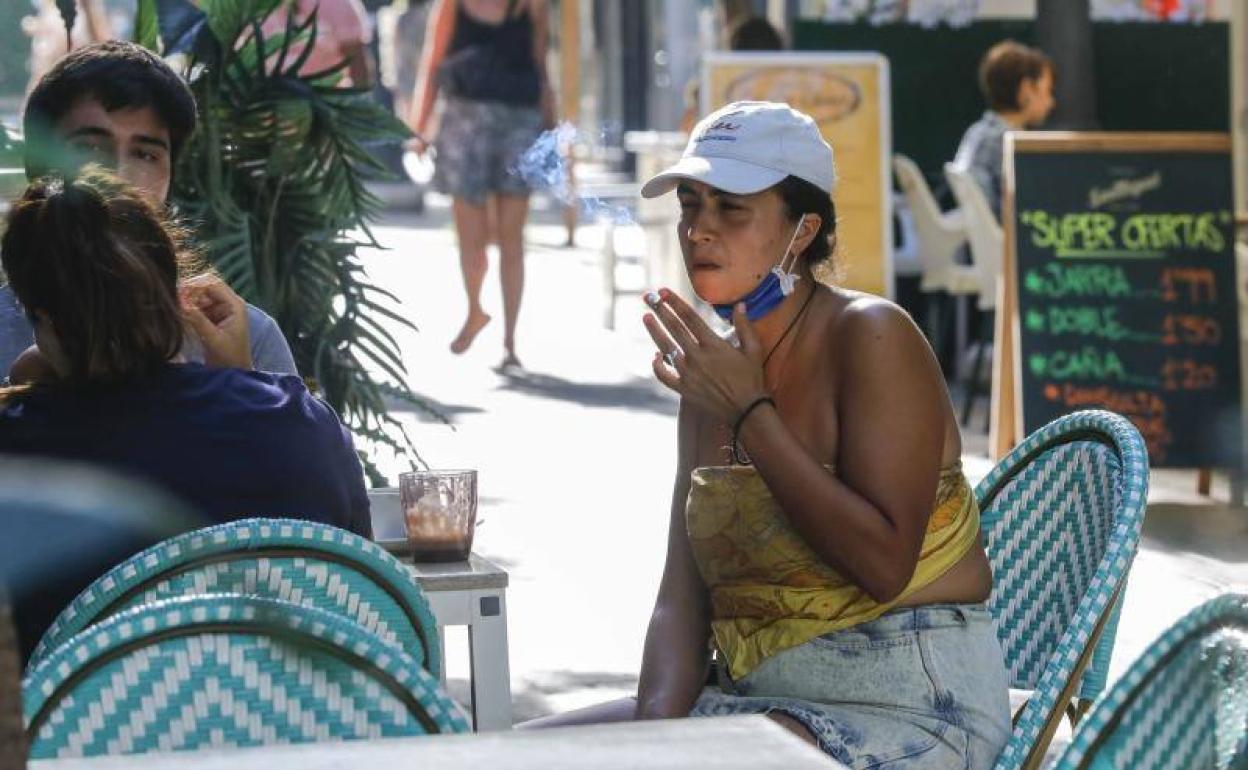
(576, 458)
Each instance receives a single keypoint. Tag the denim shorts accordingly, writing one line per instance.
(920, 687)
(479, 146)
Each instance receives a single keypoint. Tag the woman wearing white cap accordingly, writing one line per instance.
(823, 535)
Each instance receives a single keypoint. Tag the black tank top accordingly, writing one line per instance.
(493, 62)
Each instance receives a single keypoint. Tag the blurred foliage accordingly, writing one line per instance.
(14, 48)
(273, 183)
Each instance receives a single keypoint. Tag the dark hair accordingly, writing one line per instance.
(96, 258)
(1006, 65)
(802, 197)
(119, 75)
(755, 34)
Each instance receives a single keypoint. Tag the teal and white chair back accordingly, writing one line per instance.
(1061, 518)
(305, 563)
(226, 671)
(1183, 704)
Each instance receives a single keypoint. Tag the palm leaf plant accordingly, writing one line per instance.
(273, 184)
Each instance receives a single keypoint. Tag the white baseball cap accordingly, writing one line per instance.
(747, 147)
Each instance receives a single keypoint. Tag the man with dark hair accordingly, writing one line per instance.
(755, 34)
(1017, 83)
(119, 105)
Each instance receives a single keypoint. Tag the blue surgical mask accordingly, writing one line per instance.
(771, 291)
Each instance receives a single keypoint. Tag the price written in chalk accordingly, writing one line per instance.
(1125, 279)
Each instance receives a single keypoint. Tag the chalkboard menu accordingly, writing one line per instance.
(1125, 289)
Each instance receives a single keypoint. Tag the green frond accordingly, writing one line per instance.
(274, 183)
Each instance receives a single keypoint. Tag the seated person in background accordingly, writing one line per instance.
(97, 269)
(119, 105)
(1017, 83)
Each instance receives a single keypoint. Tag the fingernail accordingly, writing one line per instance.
(665, 293)
(651, 298)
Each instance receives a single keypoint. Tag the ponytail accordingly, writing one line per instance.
(93, 258)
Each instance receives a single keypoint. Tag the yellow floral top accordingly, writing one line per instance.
(769, 590)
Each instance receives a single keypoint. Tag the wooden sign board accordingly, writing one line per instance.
(847, 95)
(1120, 290)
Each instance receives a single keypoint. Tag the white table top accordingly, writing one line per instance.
(725, 743)
(476, 573)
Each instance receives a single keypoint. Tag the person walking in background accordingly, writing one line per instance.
(753, 33)
(46, 30)
(343, 32)
(487, 60)
(409, 43)
(1017, 83)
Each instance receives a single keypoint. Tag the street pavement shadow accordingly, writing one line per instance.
(538, 698)
(1217, 531)
(638, 394)
(430, 410)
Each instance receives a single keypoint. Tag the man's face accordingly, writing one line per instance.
(133, 142)
(1036, 98)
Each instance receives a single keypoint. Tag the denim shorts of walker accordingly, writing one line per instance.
(920, 687)
(481, 146)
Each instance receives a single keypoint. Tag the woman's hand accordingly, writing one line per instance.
(219, 318)
(32, 367)
(547, 108)
(417, 144)
(696, 363)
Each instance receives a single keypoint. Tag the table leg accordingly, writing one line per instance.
(442, 649)
(961, 335)
(608, 273)
(491, 675)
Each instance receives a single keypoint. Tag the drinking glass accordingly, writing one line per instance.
(439, 513)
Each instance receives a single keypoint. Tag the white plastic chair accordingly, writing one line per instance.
(983, 231)
(987, 249)
(941, 234)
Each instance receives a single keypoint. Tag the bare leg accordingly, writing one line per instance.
(622, 710)
(491, 205)
(512, 211)
(793, 726)
(571, 207)
(471, 227)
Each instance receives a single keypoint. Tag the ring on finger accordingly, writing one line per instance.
(670, 358)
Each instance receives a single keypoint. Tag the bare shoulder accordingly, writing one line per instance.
(861, 318)
(870, 336)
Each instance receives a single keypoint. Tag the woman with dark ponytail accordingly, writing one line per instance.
(98, 270)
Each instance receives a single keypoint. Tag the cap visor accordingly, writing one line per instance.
(727, 174)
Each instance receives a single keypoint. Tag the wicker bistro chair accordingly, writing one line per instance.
(1183, 704)
(310, 564)
(223, 670)
(1061, 518)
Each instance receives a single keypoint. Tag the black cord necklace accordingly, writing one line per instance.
(739, 457)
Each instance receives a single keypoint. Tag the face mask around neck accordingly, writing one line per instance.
(772, 290)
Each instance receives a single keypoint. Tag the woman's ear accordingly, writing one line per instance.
(1028, 90)
(806, 232)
